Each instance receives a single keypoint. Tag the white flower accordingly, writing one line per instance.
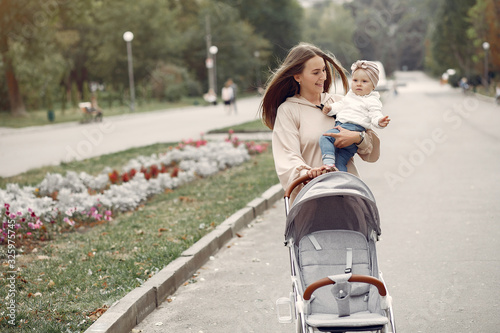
(73, 190)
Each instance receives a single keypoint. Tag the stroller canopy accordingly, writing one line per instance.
(333, 201)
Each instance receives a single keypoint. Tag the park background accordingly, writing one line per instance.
(57, 53)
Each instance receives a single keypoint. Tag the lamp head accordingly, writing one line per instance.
(128, 36)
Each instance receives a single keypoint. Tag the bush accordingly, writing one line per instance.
(170, 82)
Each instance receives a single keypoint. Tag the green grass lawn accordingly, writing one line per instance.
(61, 283)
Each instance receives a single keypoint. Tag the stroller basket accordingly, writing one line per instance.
(331, 231)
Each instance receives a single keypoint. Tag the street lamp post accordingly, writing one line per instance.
(213, 51)
(128, 37)
(257, 69)
(486, 47)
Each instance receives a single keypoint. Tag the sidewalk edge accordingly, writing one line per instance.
(130, 310)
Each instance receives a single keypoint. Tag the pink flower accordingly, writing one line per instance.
(28, 233)
(68, 221)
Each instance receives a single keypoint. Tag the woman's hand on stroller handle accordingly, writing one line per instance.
(311, 173)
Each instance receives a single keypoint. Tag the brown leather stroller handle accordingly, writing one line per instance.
(296, 183)
(354, 278)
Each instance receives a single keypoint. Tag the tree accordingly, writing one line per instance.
(13, 12)
(484, 19)
(31, 58)
(450, 47)
(331, 27)
(278, 21)
(235, 39)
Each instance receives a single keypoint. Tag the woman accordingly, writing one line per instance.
(291, 107)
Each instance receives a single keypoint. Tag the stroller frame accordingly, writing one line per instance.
(343, 258)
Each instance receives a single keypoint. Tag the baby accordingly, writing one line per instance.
(358, 111)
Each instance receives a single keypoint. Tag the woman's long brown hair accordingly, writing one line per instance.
(282, 84)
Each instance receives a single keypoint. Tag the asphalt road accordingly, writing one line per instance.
(32, 147)
(437, 189)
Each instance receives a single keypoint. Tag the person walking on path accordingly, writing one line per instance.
(291, 107)
(227, 97)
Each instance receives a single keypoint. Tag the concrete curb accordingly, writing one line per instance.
(129, 311)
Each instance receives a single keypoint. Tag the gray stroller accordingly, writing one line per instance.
(331, 230)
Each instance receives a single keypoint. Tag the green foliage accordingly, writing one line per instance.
(392, 32)
(85, 92)
(484, 19)
(75, 98)
(278, 21)
(450, 47)
(68, 43)
(67, 280)
(331, 27)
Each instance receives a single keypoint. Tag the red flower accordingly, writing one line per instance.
(132, 173)
(113, 177)
(125, 177)
(175, 172)
(154, 171)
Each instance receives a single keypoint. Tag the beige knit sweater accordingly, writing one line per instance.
(295, 140)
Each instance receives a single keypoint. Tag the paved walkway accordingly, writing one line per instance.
(439, 251)
(236, 290)
(437, 191)
(33, 147)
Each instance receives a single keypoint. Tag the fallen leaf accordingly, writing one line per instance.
(186, 199)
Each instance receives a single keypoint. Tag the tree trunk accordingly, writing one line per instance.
(17, 107)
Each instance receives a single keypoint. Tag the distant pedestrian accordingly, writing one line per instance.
(464, 84)
(227, 97)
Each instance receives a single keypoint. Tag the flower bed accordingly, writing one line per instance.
(62, 203)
